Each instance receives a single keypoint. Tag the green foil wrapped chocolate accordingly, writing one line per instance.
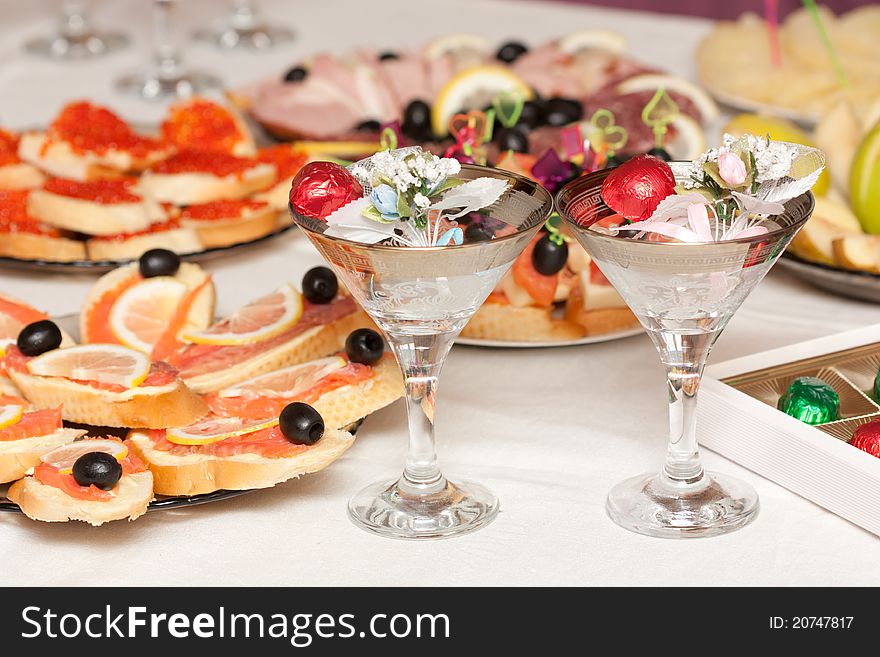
(810, 400)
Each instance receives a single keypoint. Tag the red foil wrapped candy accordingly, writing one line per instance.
(867, 438)
(636, 187)
(321, 188)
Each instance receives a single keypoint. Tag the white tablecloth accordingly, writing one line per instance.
(548, 430)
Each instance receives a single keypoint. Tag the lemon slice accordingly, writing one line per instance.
(259, 320)
(104, 363)
(141, 314)
(592, 40)
(10, 414)
(864, 182)
(214, 429)
(653, 81)
(64, 457)
(690, 140)
(458, 45)
(287, 382)
(473, 88)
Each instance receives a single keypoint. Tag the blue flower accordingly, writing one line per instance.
(384, 199)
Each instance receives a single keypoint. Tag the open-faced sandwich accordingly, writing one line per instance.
(170, 235)
(24, 236)
(89, 142)
(288, 161)
(221, 223)
(15, 174)
(201, 124)
(149, 304)
(279, 329)
(27, 434)
(262, 431)
(94, 480)
(104, 385)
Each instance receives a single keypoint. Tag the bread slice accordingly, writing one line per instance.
(59, 159)
(603, 312)
(92, 218)
(503, 322)
(344, 406)
(19, 456)
(313, 343)
(37, 246)
(195, 474)
(21, 175)
(201, 312)
(188, 188)
(130, 247)
(27, 315)
(251, 224)
(38, 501)
(148, 407)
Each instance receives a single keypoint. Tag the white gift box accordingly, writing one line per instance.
(815, 462)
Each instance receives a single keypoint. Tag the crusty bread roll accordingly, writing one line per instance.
(313, 343)
(201, 312)
(132, 496)
(500, 321)
(251, 225)
(180, 240)
(21, 175)
(35, 246)
(194, 474)
(148, 407)
(92, 218)
(19, 456)
(201, 187)
(59, 159)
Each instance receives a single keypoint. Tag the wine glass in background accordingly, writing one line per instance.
(244, 27)
(76, 38)
(166, 77)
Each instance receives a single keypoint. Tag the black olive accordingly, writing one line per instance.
(319, 285)
(512, 139)
(296, 74)
(662, 153)
(510, 51)
(364, 346)
(38, 338)
(532, 115)
(562, 111)
(548, 257)
(478, 233)
(372, 125)
(388, 54)
(301, 424)
(417, 121)
(97, 469)
(159, 262)
(613, 161)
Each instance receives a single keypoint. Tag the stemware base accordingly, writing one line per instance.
(151, 87)
(654, 505)
(81, 47)
(262, 37)
(386, 508)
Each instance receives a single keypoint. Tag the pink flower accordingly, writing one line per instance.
(732, 169)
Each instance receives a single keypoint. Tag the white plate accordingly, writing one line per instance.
(504, 344)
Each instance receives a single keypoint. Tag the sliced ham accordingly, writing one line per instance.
(549, 71)
(408, 78)
(439, 70)
(312, 108)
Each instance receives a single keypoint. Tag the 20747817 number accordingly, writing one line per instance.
(811, 622)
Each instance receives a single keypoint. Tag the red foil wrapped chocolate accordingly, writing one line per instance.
(321, 188)
(867, 438)
(636, 187)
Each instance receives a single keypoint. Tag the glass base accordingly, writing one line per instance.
(261, 37)
(151, 87)
(656, 506)
(385, 508)
(83, 47)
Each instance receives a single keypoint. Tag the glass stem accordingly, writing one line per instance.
(421, 358)
(684, 357)
(75, 23)
(165, 53)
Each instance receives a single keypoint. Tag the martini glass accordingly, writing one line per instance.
(421, 297)
(76, 37)
(684, 295)
(245, 26)
(166, 77)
